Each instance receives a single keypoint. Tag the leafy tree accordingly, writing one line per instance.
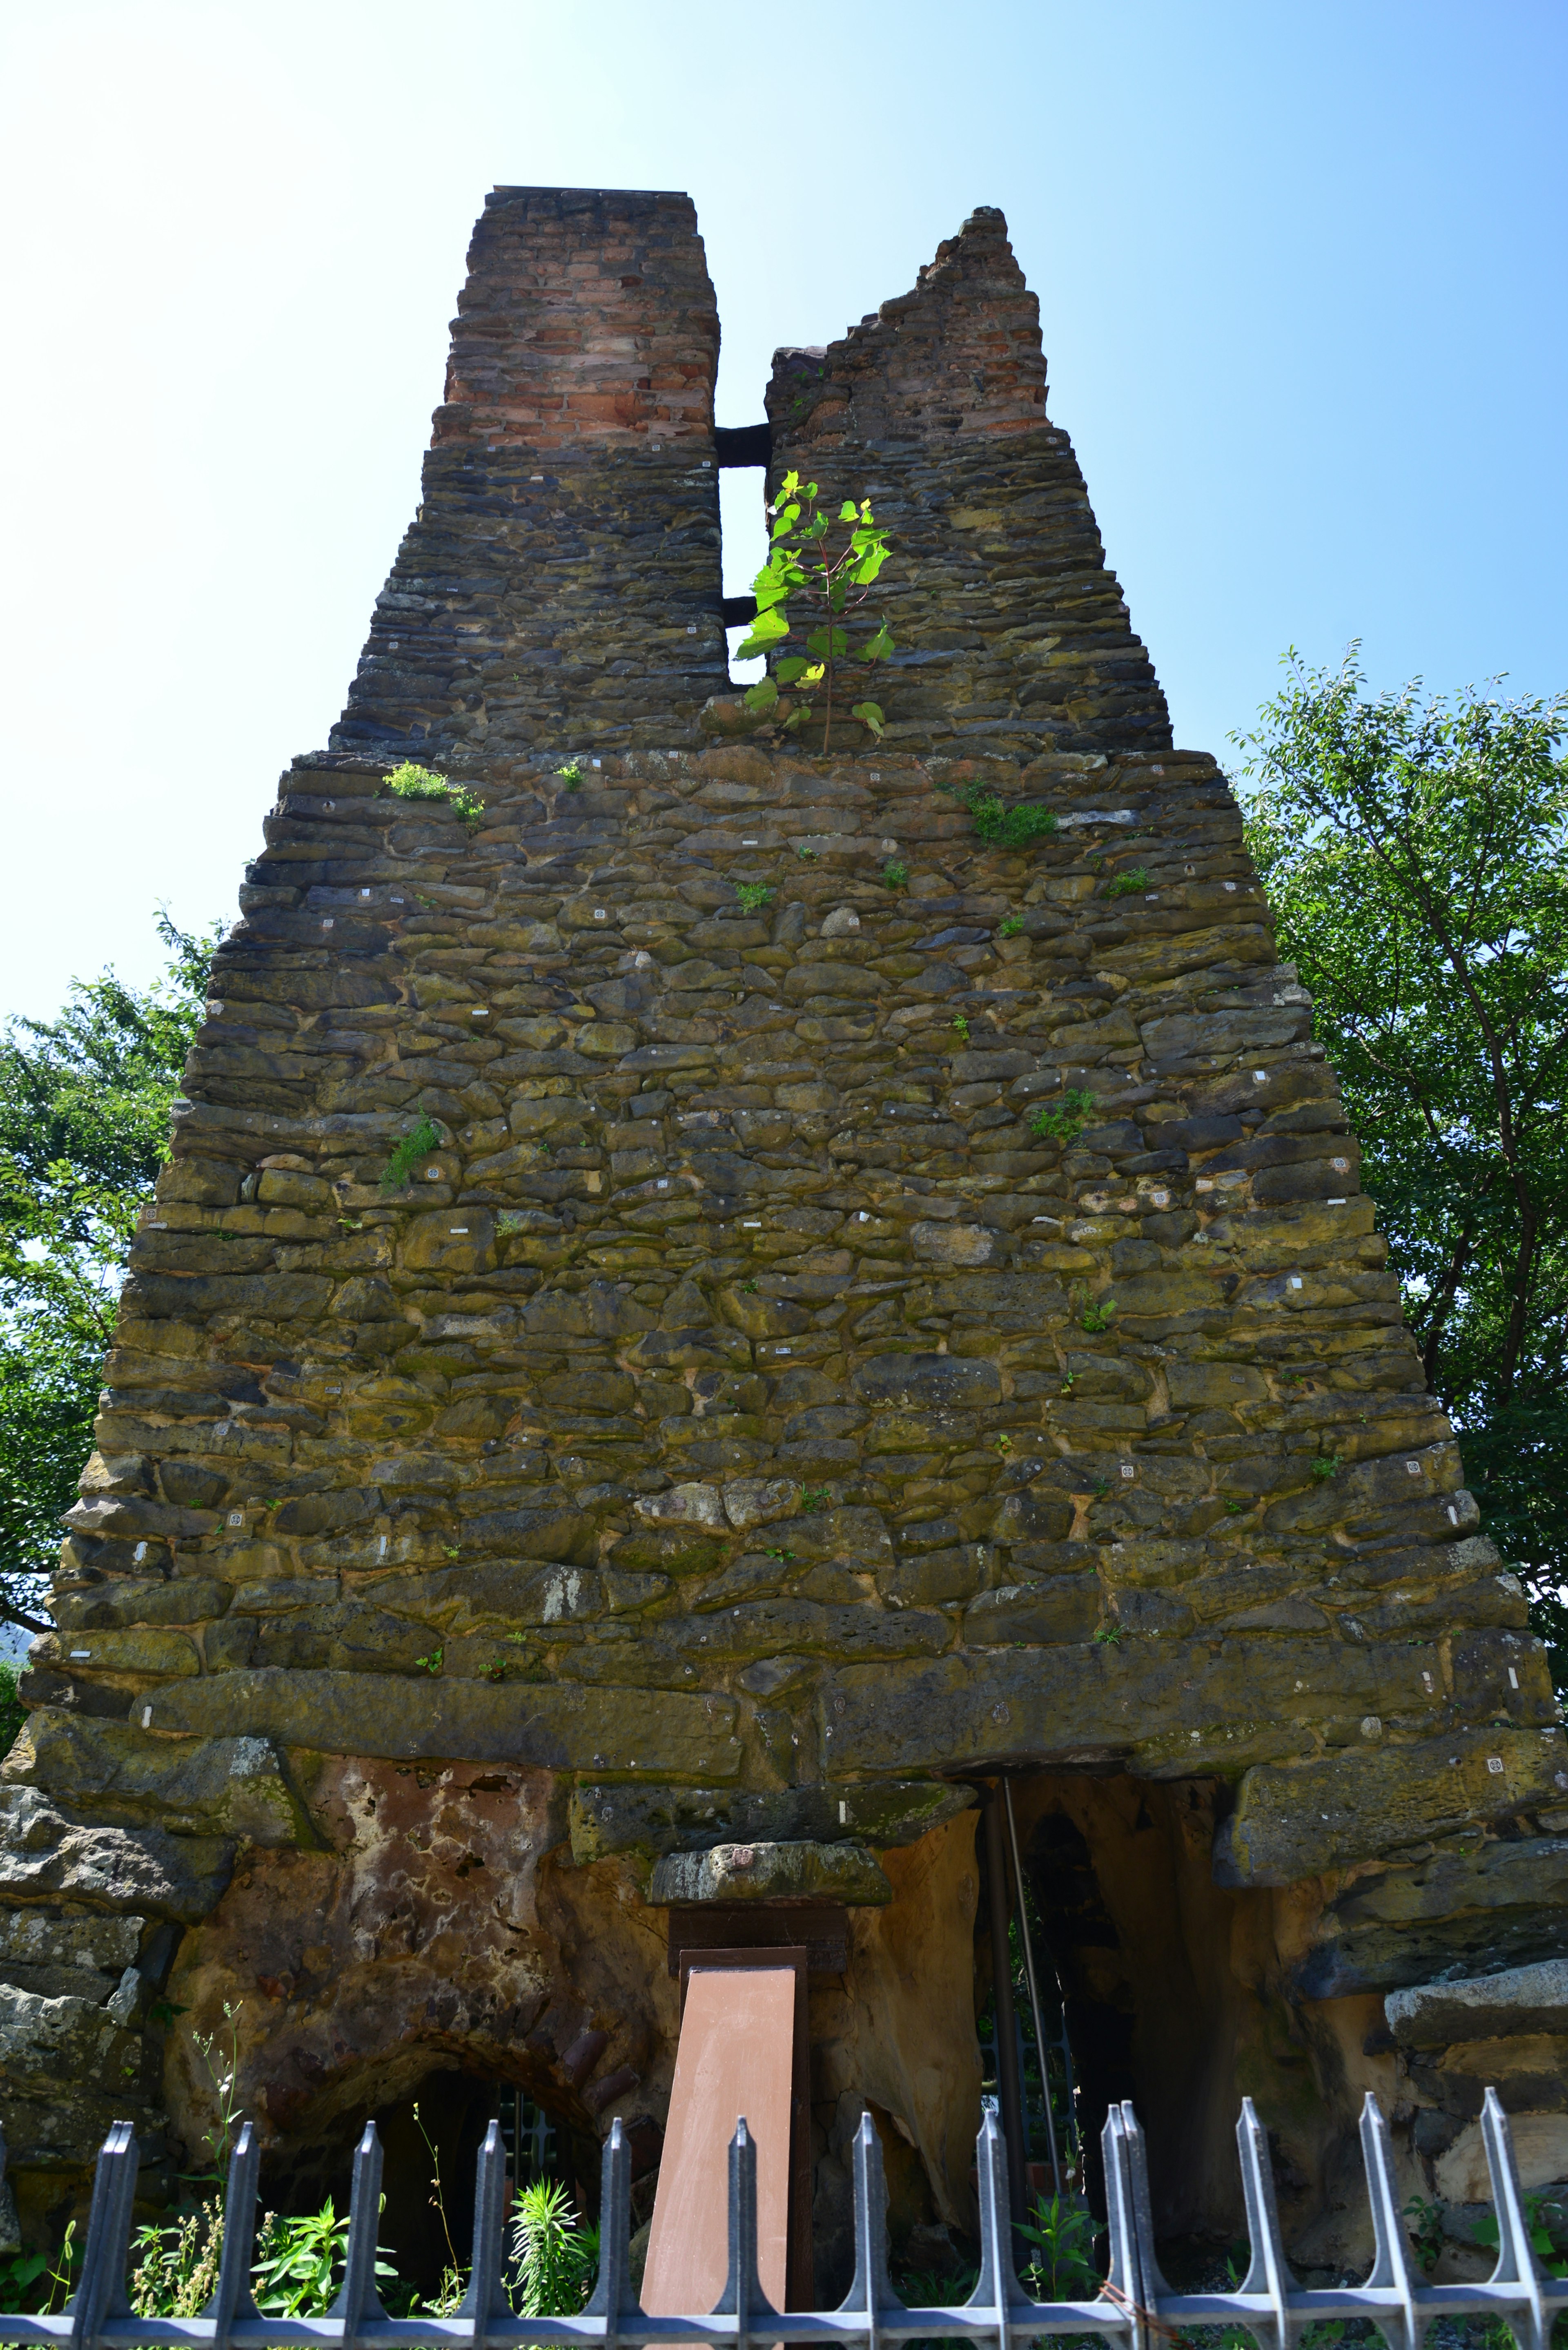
(84, 1123)
(1416, 852)
(830, 563)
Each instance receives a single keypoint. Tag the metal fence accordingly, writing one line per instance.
(1135, 2306)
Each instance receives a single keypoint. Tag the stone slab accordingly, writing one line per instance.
(563, 1728)
(1520, 2000)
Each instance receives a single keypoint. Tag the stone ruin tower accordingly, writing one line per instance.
(662, 1518)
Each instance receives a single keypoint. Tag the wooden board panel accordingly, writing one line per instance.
(736, 2058)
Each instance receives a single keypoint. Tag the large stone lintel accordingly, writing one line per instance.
(563, 1728)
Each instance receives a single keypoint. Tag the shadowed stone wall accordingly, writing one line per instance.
(744, 1423)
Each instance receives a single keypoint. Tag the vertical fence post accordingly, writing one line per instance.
(484, 2304)
(998, 2287)
(871, 2290)
(743, 2298)
(1268, 2271)
(1516, 2262)
(101, 2291)
(612, 2298)
(358, 2303)
(1010, 2087)
(233, 2299)
(1391, 2257)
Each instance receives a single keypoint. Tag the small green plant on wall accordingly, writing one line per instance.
(1066, 1120)
(753, 896)
(416, 1144)
(828, 563)
(997, 824)
(410, 782)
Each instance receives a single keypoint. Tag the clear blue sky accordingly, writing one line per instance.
(1301, 270)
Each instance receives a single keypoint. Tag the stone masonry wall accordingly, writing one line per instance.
(1014, 637)
(746, 1423)
(562, 573)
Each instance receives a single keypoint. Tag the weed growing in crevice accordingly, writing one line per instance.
(1126, 885)
(416, 1144)
(997, 824)
(412, 783)
(1064, 1120)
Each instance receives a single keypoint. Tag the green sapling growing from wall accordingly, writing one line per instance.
(829, 564)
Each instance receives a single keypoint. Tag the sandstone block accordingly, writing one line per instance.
(113, 1772)
(1293, 1822)
(46, 1856)
(771, 1872)
(452, 1241)
(1520, 2000)
(569, 1726)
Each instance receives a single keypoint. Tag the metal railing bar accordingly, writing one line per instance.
(1134, 2308)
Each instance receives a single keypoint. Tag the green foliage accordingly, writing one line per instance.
(12, 1713)
(1098, 1315)
(1064, 1120)
(1326, 1465)
(1011, 925)
(1126, 885)
(999, 826)
(432, 1663)
(1547, 2221)
(753, 895)
(416, 1144)
(556, 2260)
(813, 1498)
(1110, 1636)
(175, 2267)
(299, 2262)
(1416, 851)
(961, 1024)
(28, 2281)
(85, 1106)
(571, 774)
(830, 563)
(410, 782)
(1066, 2233)
(895, 874)
(1424, 2221)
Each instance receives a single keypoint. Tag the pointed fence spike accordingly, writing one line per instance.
(485, 2303)
(1152, 2286)
(358, 2303)
(1268, 2271)
(743, 2298)
(613, 2299)
(997, 2289)
(871, 2290)
(1517, 2264)
(1391, 2261)
(1124, 2282)
(233, 2300)
(101, 2291)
